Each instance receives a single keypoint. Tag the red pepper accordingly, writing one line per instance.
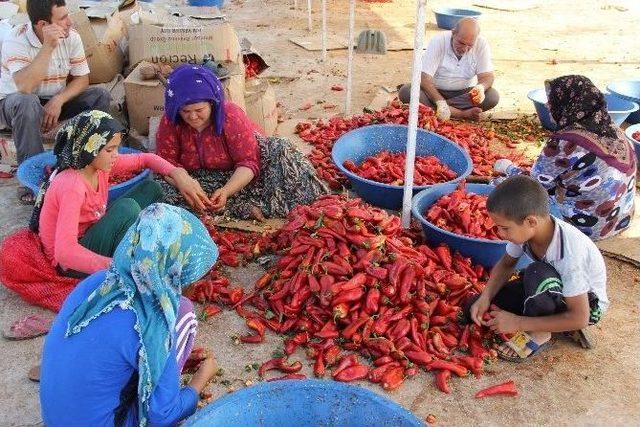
(460, 371)
(256, 325)
(393, 378)
(270, 365)
(400, 329)
(329, 330)
(318, 367)
(345, 362)
(353, 327)
(442, 381)
(348, 296)
(352, 373)
(382, 361)
(290, 369)
(314, 285)
(211, 310)
(331, 355)
(419, 357)
(444, 255)
(376, 374)
(406, 280)
(507, 388)
(288, 377)
(372, 301)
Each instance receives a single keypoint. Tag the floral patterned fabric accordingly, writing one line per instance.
(591, 194)
(184, 146)
(77, 144)
(166, 249)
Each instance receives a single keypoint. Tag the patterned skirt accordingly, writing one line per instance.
(286, 180)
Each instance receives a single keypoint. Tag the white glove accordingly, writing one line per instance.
(477, 94)
(501, 165)
(442, 110)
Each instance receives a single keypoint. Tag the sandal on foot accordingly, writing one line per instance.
(26, 196)
(519, 344)
(30, 327)
(582, 337)
(34, 374)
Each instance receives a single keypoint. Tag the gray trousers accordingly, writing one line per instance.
(455, 98)
(23, 113)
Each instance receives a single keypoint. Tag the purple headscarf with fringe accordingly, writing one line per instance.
(189, 84)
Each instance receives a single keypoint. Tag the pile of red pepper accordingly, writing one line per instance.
(251, 66)
(214, 288)
(474, 138)
(388, 168)
(238, 247)
(352, 281)
(463, 213)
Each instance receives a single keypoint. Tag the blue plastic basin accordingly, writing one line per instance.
(367, 141)
(482, 251)
(619, 109)
(31, 172)
(303, 403)
(447, 17)
(636, 142)
(629, 90)
(216, 3)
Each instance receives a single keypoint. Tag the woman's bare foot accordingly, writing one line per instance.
(469, 114)
(256, 213)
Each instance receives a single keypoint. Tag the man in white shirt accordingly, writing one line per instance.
(457, 74)
(44, 78)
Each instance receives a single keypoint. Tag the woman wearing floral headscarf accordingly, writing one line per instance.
(244, 173)
(116, 349)
(587, 166)
(78, 232)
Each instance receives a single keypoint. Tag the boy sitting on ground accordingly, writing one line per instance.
(563, 290)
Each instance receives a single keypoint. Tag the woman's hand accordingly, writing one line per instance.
(478, 309)
(190, 189)
(219, 199)
(206, 371)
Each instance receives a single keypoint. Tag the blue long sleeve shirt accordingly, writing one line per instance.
(83, 375)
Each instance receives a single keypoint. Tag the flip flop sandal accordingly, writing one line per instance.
(34, 374)
(582, 337)
(26, 196)
(519, 343)
(30, 327)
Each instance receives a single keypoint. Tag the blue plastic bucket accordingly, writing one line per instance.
(216, 3)
(629, 90)
(482, 251)
(618, 108)
(296, 403)
(367, 141)
(447, 18)
(31, 172)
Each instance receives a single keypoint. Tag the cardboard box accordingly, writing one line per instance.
(187, 42)
(104, 55)
(145, 98)
(261, 106)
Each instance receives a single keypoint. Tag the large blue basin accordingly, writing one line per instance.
(482, 251)
(296, 403)
(447, 17)
(367, 141)
(31, 172)
(629, 90)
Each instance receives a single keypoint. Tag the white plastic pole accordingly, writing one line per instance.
(352, 19)
(418, 42)
(324, 30)
(309, 14)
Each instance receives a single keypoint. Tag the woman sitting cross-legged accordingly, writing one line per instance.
(245, 174)
(79, 232)
(116, 349)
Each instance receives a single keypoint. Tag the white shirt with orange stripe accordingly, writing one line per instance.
(20, 49)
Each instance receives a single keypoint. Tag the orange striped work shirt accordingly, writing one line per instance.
(22, 46)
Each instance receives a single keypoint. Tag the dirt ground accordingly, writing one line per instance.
(562, 386)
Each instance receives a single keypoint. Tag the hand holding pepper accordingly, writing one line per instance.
(443, 112)
(206, 371)
(478, 309)
(219, 199)
(477, 94)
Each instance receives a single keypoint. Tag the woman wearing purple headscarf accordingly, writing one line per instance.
(245, 174)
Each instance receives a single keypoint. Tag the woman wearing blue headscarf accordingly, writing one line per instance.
(115, 351)
(244, 173)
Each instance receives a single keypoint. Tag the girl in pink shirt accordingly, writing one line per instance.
(79, 232)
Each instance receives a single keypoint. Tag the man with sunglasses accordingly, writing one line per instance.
(457, 74)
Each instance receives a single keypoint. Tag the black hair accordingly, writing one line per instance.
(518, 197)
(41, 10)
